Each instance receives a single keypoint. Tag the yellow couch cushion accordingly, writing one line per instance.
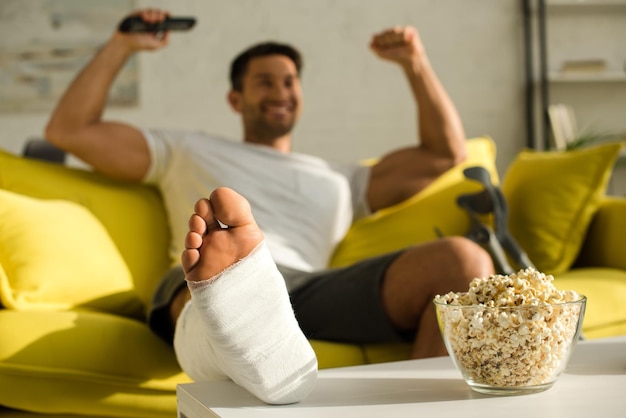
(131, 213)
(86, 363)
(552, 197)
(95, 363)
(605, 289)
(416, 219)
(55, 254)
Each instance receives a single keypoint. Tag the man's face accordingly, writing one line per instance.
(270, 98)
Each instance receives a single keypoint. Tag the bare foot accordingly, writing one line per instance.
(212, 248)
(240, 323)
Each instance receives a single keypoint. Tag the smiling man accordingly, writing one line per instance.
(270, 103)
(228, 308)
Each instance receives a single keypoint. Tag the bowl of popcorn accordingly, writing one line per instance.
(511, 334)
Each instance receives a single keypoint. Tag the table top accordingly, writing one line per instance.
(593, 384)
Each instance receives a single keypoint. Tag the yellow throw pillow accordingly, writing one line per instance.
(133, 214)
(55, 254)
(417, 219)
(552, 197)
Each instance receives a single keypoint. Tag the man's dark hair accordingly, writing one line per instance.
(240, 63)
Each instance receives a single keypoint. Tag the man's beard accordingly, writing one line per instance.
(266, 131)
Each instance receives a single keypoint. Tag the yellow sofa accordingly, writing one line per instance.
(80, 255)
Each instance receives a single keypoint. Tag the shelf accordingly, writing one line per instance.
(582, 7)
(598, 27)
(585, 4)
(603, 77)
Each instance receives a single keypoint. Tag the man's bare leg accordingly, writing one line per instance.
(239, 323)
(420, 273)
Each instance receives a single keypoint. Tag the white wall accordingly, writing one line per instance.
(356, 105)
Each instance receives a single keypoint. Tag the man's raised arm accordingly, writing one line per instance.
(441, 142)
(76, 125)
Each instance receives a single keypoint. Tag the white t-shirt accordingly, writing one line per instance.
(303, 204)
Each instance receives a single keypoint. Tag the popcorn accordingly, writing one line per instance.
(510, 331)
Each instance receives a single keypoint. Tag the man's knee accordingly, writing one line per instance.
(468, 257)
(453, 259)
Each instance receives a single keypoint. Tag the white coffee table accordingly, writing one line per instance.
(593, 385)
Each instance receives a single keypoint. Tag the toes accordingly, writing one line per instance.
(189, 259)
(210, 244)
(204, 210)
(224, 208)
(230, 207)
(198, 225)
(204, 218)
(193, 240)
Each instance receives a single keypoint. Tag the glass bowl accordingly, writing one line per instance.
(511, 350)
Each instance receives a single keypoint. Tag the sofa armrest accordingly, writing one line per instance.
(604, 244)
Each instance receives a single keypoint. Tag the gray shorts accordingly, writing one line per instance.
(342, 304)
